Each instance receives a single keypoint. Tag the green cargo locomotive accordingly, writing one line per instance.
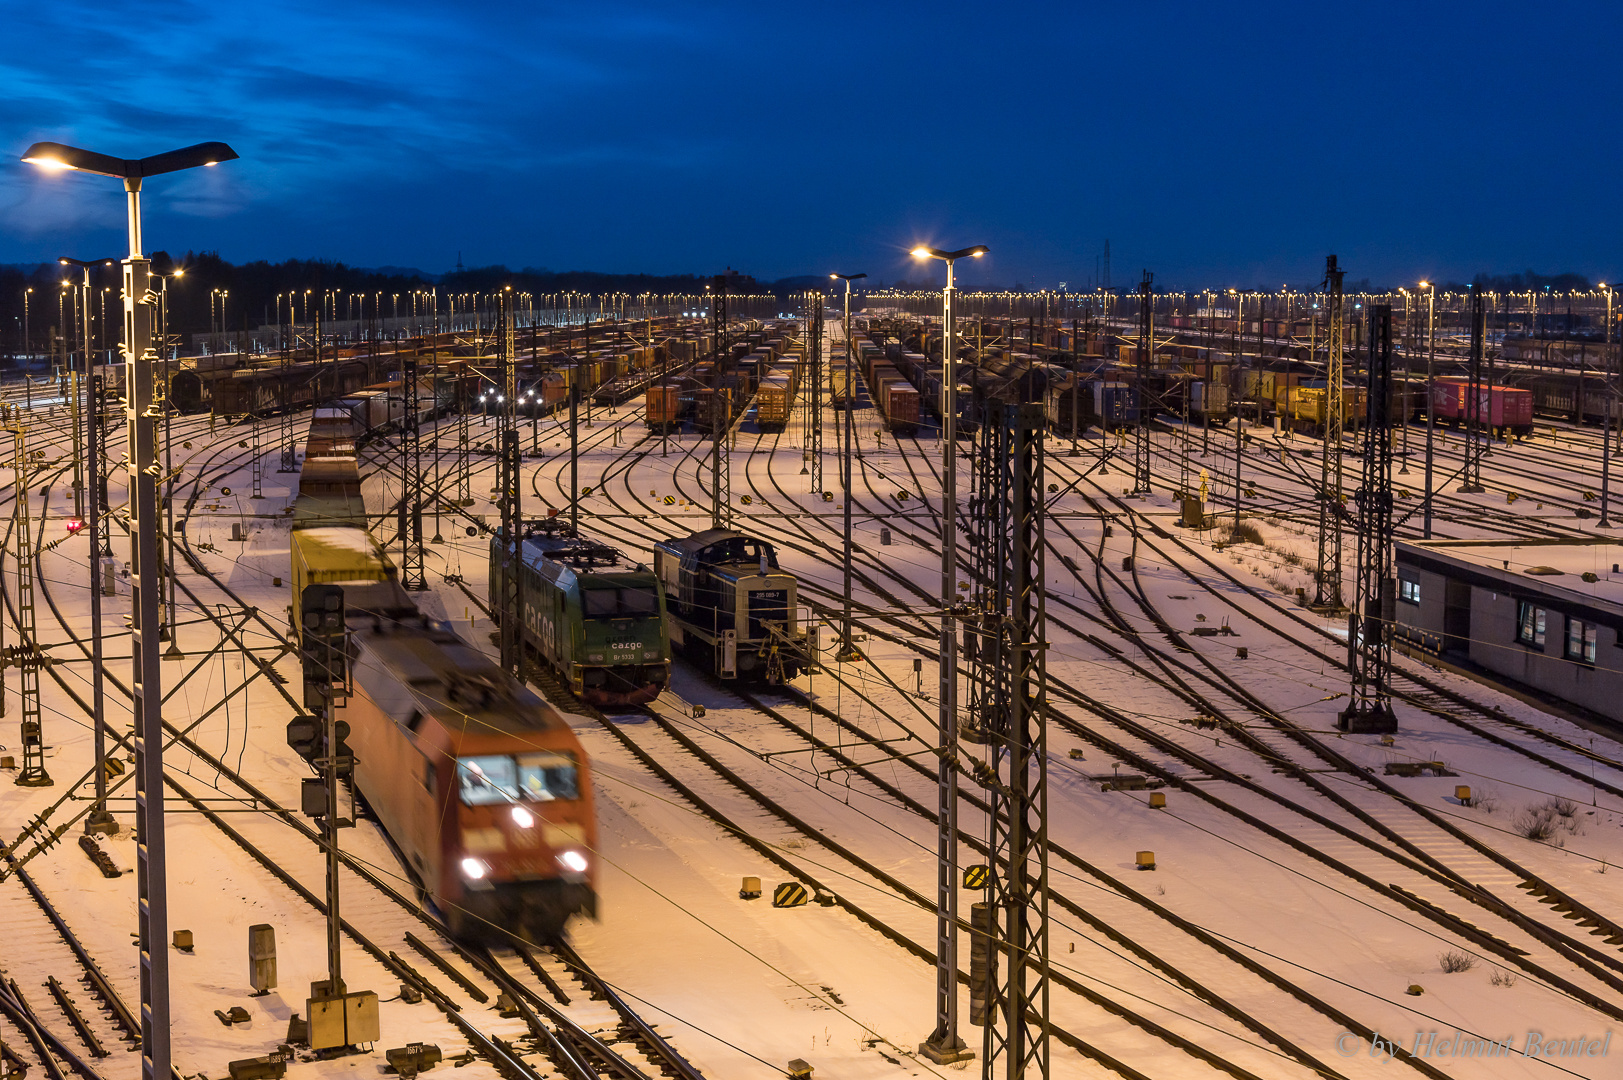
(590, 614)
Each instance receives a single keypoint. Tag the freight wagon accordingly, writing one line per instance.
(775, 400)
(1309, 406)
(1499, 407)
(1115, 404)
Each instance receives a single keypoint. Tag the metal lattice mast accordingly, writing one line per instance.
(290, 462)
(1369, 629)
(508, 484)
(1476, 401)
(1328, 574)
(721, 515)
(25, 656)
(810, 394)
(75, 384)
(1146, 341)
(1017, 784)
(464, 436)
(989, 546)
(412, 575)
(102, 420)
(256, 469)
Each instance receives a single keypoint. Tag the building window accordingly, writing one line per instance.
(1529, 623)
(1408, 591)
(1580, 641)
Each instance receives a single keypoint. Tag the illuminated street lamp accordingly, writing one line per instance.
(151, 858)
(945, 1045)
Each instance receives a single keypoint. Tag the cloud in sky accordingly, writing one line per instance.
(1213, 144)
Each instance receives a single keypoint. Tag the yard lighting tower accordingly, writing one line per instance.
(142, 419)
(847, 653)
(944, 1045)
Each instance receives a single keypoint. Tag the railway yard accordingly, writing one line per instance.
(1312, 899)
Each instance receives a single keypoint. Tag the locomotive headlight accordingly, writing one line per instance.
(522, 817)
(474, 869)
(573, 860)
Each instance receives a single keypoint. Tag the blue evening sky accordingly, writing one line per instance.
(1216, 144)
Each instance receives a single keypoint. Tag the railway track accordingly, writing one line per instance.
(578, 1046)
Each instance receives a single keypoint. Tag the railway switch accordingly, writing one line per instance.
(751, 889)
(1146, 860)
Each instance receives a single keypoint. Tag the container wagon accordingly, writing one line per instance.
(1115, 404)
(1500, 408)
(774, 401)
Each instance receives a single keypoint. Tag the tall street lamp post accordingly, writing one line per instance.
(945, 1045)
(847, 652)
(141, 418)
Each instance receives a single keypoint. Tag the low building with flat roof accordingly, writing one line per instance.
(1544, 616)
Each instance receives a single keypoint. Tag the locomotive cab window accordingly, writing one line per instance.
(618, 603)
(487, 780)
(545, 777)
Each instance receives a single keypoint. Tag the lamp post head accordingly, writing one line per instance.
(60, 157)
(936, 253)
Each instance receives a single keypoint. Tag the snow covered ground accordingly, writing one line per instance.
(1267, 889)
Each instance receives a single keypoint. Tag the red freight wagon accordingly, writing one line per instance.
(1506, 407)
(663, 407)
(901, 408)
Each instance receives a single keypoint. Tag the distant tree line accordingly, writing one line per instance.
(214, 294)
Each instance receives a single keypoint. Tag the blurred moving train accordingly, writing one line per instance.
(480, 785)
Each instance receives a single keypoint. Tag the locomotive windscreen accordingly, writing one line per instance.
(771, 605)
(498, 778)
(545, 776)
(619, 603)
(489, 779)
